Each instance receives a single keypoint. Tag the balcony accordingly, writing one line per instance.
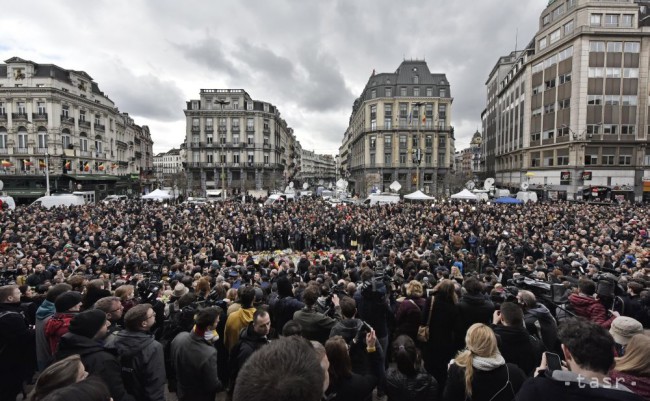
(4, 151)
(40, 151)
(3, 116)
(67, 120)
(21, 151)
(267, 146)
(235, 129)
(196, 128)
(250, 129)
(85, 153)
(19, 116)
(99, 127)
(250, 144)
(209, 129)
(222, 129)
(39, 116)
(83, 123)
(266, 130)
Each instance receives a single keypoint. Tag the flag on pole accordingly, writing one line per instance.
(86, 166)
(41, 164)
(27, 163)
(67, 165)
(7, 163)
(101, 167)
(424, 119)
(113, 166)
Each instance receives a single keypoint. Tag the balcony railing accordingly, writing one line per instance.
(250, 129)
(196, 128)
(39, 116)
(99, 127)
(40, 151)
(223, 129)
(209, 129)
(67, 120)
(21, 151)
(4, 151)
(250, 144)
(235, 129)
(3, 116)
(19, 116)
(83, 123)
(267, 146)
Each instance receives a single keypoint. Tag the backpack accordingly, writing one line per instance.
(132, 381)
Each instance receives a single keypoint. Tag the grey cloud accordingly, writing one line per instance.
(209, 53)
(143, 95)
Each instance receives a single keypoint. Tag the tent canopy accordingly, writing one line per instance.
(418, 195)
(158, 194)
(507, 199)
(465, 194)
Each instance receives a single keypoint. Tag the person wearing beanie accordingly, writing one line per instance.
(623, 329)
(83, 338)
(43, 315)
(67, 305)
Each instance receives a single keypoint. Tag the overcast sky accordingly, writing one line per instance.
(309, 58)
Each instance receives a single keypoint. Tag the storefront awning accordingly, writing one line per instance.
(25, 193)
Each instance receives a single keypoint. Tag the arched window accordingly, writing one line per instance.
(3, 139)
(65, 139)
(22, 138)
(98, 144)
(42, 137)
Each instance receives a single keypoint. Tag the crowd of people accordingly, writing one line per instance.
(308, 300)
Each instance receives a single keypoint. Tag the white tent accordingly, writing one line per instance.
(158, 195)
(418, 195)
(465, 194)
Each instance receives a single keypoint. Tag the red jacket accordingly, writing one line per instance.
(591, 309)
(55, 328)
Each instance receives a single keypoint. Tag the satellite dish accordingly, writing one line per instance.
(524, 186)
(470, 185)
(489, 183)
(305, 186)
(341, 184)
(2, 185)
(291, 184)
(395, 186)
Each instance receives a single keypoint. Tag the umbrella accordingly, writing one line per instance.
(507, 199)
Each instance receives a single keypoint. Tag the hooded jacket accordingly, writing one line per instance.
(591, 309)
(97, 360)
(148, 360)
(419, 387)
(55, 328)
(44, 312)
(547, 325)
(237, 320)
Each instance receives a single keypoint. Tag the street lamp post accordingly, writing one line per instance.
(418, 152)
(578, 139)
(223, 171)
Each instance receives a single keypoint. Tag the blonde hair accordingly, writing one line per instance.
(414, 289)
(480, 341)
(637, 357)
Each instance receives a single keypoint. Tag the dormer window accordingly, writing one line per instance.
(19, 73)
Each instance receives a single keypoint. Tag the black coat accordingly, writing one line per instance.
(472, 309)
(519, 347)
(97, 360)
(282, 310)
(485, 384)
(358, 387)
(17, 349)
(544, 388)
(419, 387)
(249, 342)
(442, 337)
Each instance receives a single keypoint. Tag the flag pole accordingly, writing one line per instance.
(47, 174)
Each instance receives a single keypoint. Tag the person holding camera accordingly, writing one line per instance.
(586, 304)
(316, 326)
